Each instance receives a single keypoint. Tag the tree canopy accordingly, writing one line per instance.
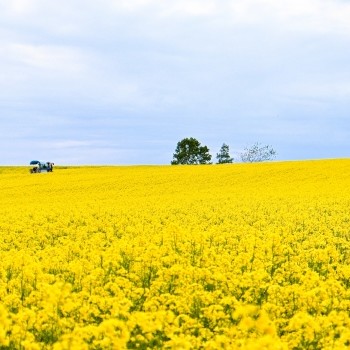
(190, 151)
(224, 155)
(257, 153)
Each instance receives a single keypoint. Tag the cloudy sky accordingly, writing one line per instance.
(122, 81)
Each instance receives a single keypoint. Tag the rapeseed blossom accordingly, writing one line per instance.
(239, 256)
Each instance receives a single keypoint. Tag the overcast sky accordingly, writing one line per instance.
(122, 81)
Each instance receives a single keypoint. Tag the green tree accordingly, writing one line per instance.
(190, 151)
(224, 155)
(258, 153)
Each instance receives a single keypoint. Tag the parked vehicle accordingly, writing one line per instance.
(41, 167)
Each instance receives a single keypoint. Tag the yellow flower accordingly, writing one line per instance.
(245, 256)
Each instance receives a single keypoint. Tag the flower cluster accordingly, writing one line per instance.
(239, 256)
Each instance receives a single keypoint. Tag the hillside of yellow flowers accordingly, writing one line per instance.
(238, 256)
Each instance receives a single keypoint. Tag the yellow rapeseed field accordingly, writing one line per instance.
(239, 256)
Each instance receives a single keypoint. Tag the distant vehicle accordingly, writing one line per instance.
(41, 167)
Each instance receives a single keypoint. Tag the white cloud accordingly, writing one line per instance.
(19, 7)
(318, 93)
(316, 14)
(321, 16)
(47, 57)
(192, 8)
(179, 61)
(69, 144)
(299, 15)
(134, 5)
(166, 8)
